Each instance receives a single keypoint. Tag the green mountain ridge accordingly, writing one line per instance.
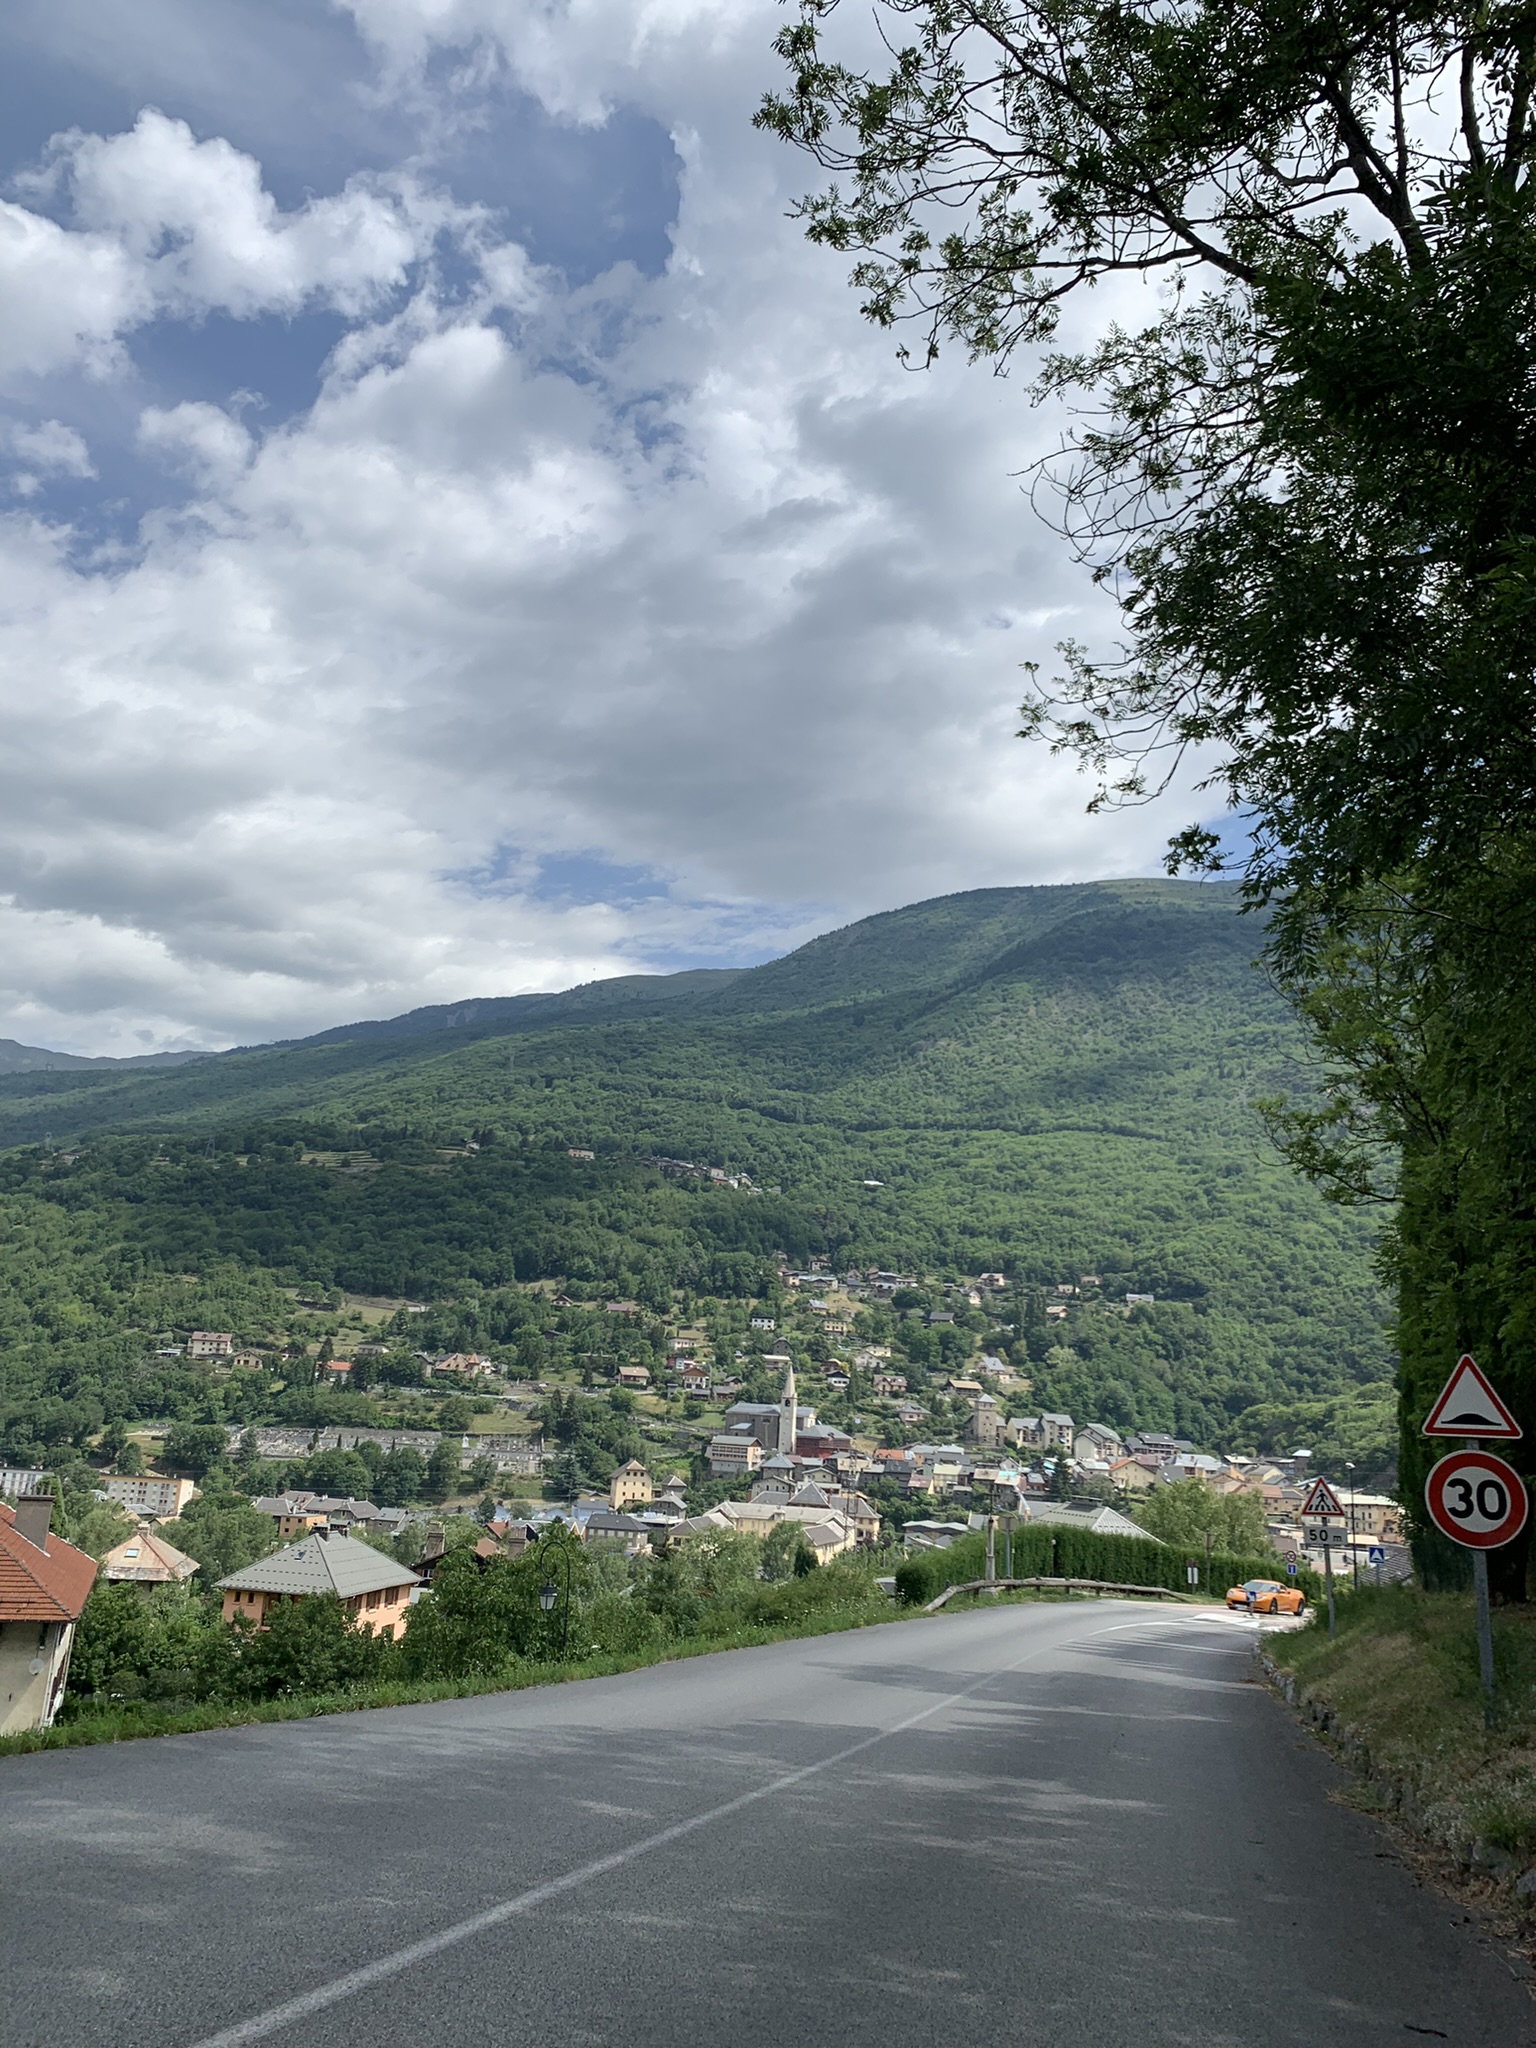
(16, 1058)
(1046, 1082)
(912, 960)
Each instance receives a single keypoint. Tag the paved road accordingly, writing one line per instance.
(1081, 1826)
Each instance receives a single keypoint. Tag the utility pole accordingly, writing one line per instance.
(991, 1546)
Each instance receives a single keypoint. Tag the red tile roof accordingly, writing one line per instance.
(41, 1585)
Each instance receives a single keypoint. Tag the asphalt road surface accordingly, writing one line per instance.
(1075, 1826)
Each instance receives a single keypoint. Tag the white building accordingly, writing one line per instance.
(44, 1583)
(15, 1480)
(150, 1496)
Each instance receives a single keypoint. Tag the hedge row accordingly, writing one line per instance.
(1049, 1550)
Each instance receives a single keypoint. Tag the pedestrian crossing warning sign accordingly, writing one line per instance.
(1322, 1501)
(1468, 1406)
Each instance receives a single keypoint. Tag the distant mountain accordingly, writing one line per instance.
(884, 979)
(937, 947)
(1049, 1083)
(36, 1059)
(627, 995)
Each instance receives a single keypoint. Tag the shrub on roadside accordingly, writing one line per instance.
(1049, 1550)
(480, 1622)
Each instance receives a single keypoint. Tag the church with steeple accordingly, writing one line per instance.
(788, 1436)
(788, 1416)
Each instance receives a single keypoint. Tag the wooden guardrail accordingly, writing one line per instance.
(1053, 1586)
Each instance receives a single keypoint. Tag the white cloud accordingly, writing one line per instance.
(55, 449)
(196, 216)
(682, 574)
(197, 437)
(67, 296)
(163, 224)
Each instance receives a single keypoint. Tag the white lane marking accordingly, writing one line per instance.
(262, 2024)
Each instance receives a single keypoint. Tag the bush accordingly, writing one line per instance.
(309, 1645)
(159, 1648)
(1047, 1550)
(618, 1625)
(480, 1624)
(478, 1620)
(837, 1587)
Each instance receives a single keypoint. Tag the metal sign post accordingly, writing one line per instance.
(1484, 1632)
(1321, 1514)
(1322, 1535)
(1472, 1496)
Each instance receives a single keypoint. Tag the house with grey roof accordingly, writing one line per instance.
(1091, 1515)
(608, 1525)
(295, 1512)
(375, 1591)
(1096, 1440)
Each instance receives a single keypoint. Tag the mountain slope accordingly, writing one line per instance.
(904, 962)
(1046, 1082)
(16, 1058)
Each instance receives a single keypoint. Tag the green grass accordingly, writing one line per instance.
(1398, 1688)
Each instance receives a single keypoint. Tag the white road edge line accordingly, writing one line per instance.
(262, 2024)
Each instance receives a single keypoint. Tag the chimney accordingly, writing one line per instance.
(34, 1511)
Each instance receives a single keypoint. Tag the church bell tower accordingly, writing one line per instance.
(787, 1416)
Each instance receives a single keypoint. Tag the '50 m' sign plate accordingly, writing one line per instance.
(1476, 1499)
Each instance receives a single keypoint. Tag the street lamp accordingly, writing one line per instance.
(549, 1593)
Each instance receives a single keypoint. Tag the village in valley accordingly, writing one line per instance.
(860, 1414)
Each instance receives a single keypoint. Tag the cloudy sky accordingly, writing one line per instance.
(456, 537)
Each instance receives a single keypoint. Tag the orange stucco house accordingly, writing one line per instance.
(375, 1591)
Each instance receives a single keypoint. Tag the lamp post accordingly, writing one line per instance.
(549, 1593)
(1354, 1553)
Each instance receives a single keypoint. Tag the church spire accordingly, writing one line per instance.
(787, 1416)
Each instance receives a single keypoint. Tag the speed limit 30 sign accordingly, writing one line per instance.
(1476, 1499)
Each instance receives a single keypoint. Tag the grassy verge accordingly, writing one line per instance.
(1397, 1690)
(132, 1724)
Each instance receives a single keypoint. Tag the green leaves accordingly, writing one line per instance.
(1309, 478)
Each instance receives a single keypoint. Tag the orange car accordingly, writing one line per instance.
(1267, 1596)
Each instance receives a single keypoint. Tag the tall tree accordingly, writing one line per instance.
(1309, 476)
(1309, 480)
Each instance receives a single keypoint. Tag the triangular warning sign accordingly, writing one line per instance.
(1468, 1406)
(1322, 1500)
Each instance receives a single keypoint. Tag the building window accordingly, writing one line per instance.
(374, 1598)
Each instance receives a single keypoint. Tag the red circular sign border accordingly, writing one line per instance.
(1496, 1468)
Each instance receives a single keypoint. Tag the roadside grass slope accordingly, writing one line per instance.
(1397, 1690)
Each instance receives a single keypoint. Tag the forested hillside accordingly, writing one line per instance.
(1045, 1082)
